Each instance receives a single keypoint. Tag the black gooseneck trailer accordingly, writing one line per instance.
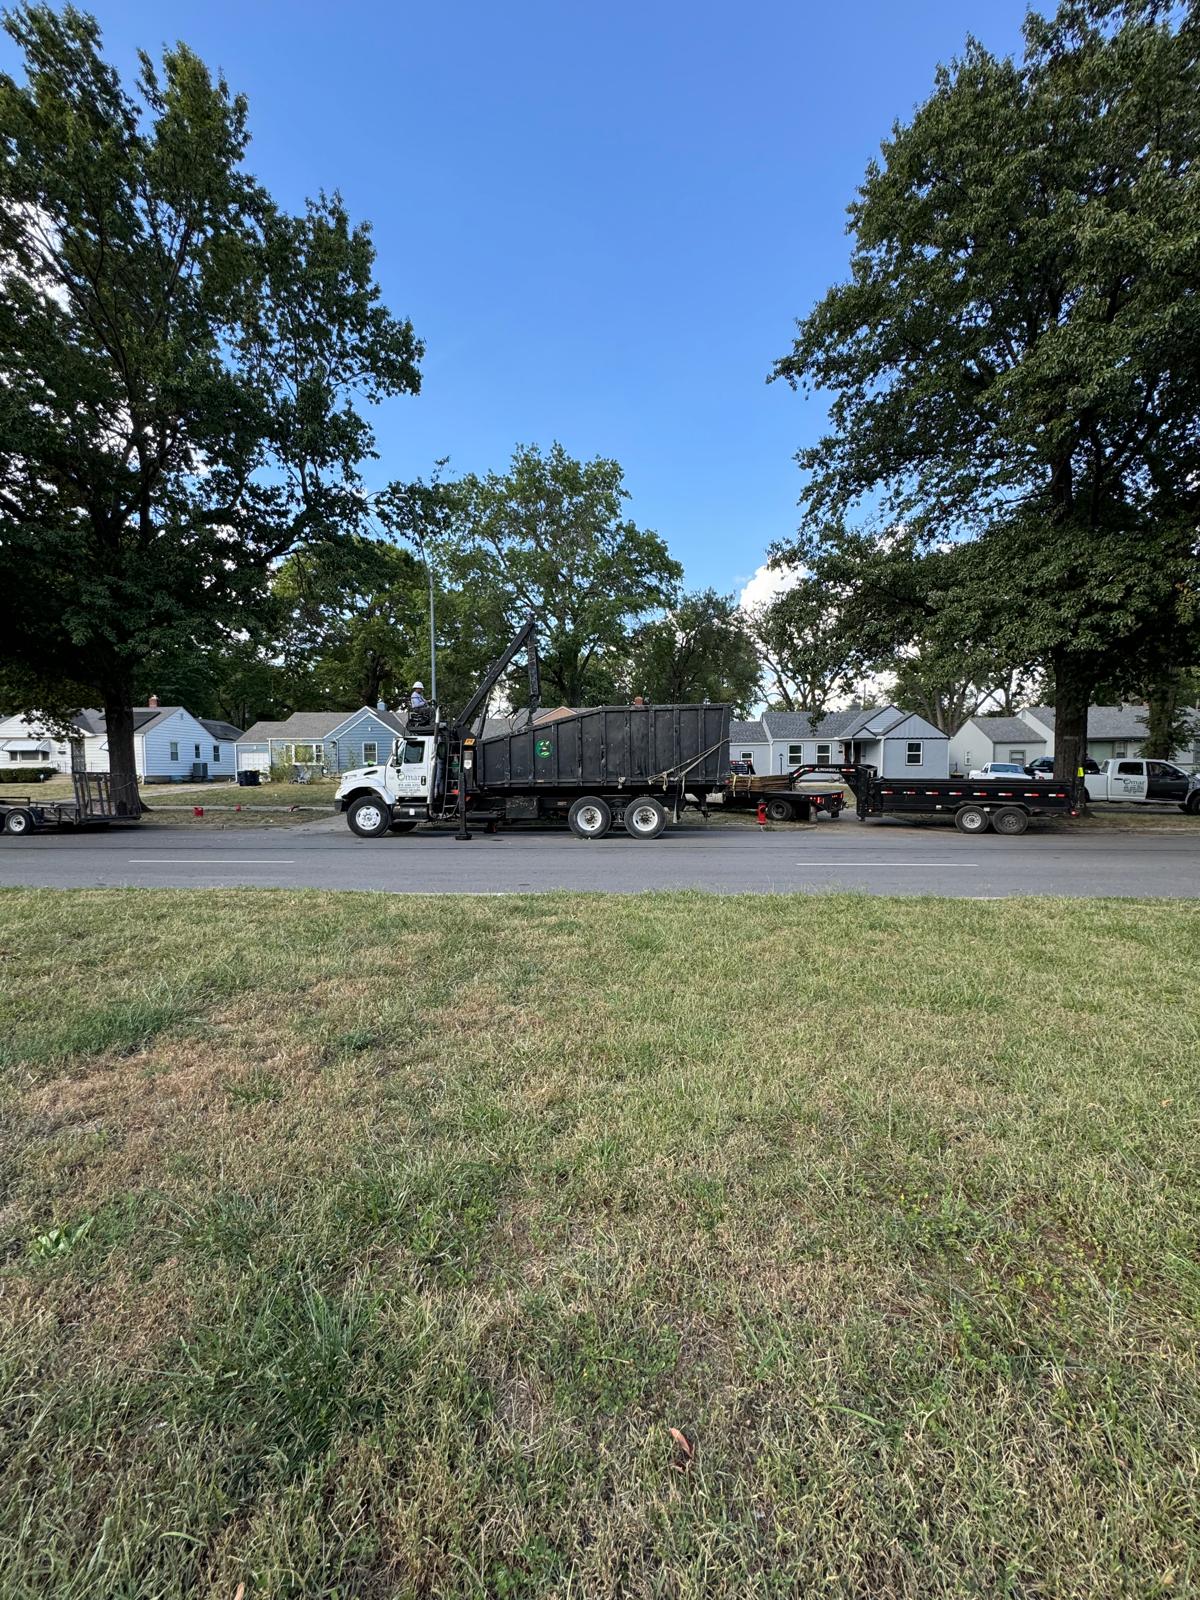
(975, 805)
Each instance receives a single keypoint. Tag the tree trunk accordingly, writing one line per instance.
(1162, 719)
(122, 768)
(1073, 683)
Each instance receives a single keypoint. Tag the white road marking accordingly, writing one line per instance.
(954, 863)
(209, 861)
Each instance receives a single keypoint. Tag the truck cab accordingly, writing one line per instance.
(395, 795)
(1135, 779)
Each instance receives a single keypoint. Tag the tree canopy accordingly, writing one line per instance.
(700, 648)
(183, 370)
(1014, 361)
(549, 536)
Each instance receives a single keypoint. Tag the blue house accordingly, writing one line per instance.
(322, 741)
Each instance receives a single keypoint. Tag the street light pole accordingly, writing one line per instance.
(432, 635)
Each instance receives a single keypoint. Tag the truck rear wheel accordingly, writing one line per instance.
(589, 817)
(781, 811)
(645, 818)
(369, 817)
(18, 822)
(1010, 820)
(972, 819)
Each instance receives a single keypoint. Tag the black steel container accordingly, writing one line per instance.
(611, 749)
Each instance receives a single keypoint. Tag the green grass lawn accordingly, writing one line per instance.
(372, 1247)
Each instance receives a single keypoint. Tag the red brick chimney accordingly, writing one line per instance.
(153, 700)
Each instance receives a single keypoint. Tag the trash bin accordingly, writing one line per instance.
(248, 778)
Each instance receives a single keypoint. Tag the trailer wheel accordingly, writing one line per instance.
(645, 818)
(1010, 820)
(780, 811)
(406, 826)
(18, 823)
(972, 819)
(369, 817)
(589, 817)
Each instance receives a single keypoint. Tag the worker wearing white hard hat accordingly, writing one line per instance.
(417, 697)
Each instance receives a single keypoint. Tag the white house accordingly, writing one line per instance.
(1111, 731)
(1114, 731)
(897, 743)
(25, 741)
(170, 745)
(982, 739)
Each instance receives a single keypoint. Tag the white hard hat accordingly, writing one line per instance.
(418, 684)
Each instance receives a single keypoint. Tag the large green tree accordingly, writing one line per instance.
(1014, 362)
(700, 648)
(810, 651)
(183, 370)
(550, 536)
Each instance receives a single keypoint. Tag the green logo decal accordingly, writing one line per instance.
(542, 748)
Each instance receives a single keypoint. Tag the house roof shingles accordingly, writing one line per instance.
(309, 725)
(220, 730)
(1110, 722)
(1008, 729)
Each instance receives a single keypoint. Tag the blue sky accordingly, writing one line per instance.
(601, 218)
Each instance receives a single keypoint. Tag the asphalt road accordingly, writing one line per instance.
(877, 857)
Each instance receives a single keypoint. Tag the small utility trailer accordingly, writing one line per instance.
(786, 796)
(1002, 804)
(91, 803)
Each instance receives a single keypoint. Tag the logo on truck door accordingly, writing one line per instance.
(542, 749)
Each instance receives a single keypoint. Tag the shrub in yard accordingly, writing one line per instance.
(20, 774)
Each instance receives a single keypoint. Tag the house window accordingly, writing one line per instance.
(824, 755)
(306, 754)
(795, 754)
(197, 752)
(1018, 756)
(174, 749)
(216, 752)
(370, 753)
(914, 753)
(1121, 748)
(747, 755)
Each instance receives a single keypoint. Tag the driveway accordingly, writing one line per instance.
(873, 857)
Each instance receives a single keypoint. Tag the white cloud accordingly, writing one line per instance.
(766, 583)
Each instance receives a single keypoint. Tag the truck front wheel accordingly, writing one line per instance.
(590, 818)
(645, 818)
(369, 817)
(972, 819)
(1191, 806)
(1010, 820)
(18, 823)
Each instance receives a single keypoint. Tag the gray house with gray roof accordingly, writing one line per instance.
(896, 742)
(324, 741)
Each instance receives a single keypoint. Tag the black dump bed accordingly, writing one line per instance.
(611, 748)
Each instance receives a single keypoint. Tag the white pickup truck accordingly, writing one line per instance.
(1154, 782)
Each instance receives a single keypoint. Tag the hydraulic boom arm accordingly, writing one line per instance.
(524, 638)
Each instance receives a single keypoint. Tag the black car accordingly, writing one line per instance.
(1043, 767)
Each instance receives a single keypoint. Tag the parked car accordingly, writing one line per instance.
(1043, 767)
(999, 769)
